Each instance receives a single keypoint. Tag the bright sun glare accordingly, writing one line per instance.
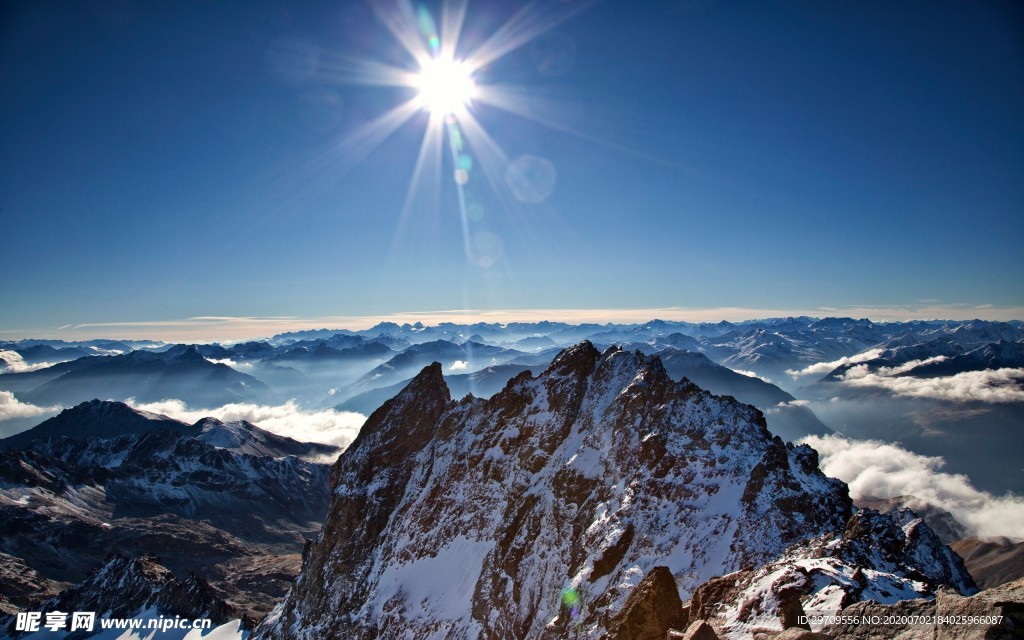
(448, 82)
(445, 86)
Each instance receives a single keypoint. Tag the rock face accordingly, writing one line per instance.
(887, 558)
(650, 611)
(993, 613)
(942, 522)
(537, 513)
(125, 588)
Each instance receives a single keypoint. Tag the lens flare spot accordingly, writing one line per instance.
(531, 179)
(553, 53)
(485, 249)
(570, 597)
(461, 176)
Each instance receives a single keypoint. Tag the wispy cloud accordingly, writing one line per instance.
(990, 385)
(882, 470)
(228, 328)
(11, 407)
(232, 363)
(458, 365)
(12, 362)
(908, 366)
(327, 425)
(785, 405)
(821, 368)
(751, 374)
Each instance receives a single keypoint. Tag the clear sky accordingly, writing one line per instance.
(161, 161)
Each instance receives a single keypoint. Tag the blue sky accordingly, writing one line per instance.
(168, 160)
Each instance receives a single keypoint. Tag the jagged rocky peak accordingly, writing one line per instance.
(127, 587)
(98, 419)
(107, 411)
(538, 512)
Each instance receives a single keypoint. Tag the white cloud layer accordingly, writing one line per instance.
(327, 425)
(821, 368)
(12, 362)
(990, 385)
(11, 407)
(234, 364)
(458, 365)
(751, 374)
(907, 366)
(785, 405)
(882, 470)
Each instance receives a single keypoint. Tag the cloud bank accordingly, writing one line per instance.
(751, 374)
(821, 368)
(882, 470)
(785, 405)
(326, 426)
(11, 407)
(12, 362)
(234, 364)
(990, 385)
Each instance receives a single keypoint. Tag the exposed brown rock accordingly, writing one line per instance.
(792, 614)
(789, 634)
(651, 610)
(699, 630)
(710, 596)
(991, 614)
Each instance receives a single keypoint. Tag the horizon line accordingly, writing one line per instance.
(202, 329)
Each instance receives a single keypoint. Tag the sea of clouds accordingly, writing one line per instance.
(12, 362)
(11, 407)
(327, 426)
(876, 469)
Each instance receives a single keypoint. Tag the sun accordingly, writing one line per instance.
(445, 86)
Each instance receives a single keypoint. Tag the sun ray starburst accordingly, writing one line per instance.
(447, 86)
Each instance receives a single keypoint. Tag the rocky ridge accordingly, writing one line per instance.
(884, 558)
(139, 587)
(228, 501)
(539, 512)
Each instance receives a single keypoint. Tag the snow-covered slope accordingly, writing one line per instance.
(537, 512)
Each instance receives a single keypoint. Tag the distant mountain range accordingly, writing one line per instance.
(179, 372)
(579, 492)
(923, 384)
(229, 502)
